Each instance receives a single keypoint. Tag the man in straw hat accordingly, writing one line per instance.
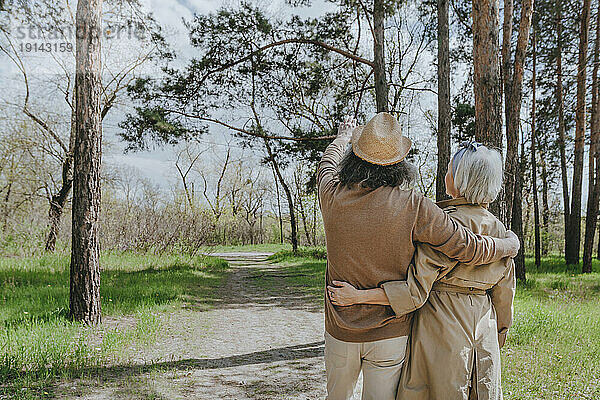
(372, 220)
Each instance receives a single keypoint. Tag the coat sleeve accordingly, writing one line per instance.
(434, 226)
(503, 295)
(409, 295)
(327, 169)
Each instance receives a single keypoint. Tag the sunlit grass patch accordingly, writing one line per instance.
(553, 349)
(38, 344)
(319, 253)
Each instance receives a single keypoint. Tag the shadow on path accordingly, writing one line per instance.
(242, 346)
(289, 353)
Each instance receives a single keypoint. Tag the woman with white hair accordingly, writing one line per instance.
(464, 312)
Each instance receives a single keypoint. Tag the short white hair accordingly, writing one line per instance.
(478, 176)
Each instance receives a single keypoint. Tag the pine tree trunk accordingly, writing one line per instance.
(84, 299)
(381, 86)
(561, 124)
(536, 207)
(288, 195)
(545, 206)
(443, 75)
(573, 237)
(488, 116)
(517, 220)
(594, 164)
(486, 81)
(598, 249)
(513, 95)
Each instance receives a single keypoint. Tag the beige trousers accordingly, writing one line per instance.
(380, 361)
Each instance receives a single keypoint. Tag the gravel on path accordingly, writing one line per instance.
(255, 343)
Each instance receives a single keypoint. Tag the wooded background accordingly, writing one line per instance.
(273, 86)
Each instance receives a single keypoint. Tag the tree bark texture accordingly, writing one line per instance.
(594, 161)
(488, 117)
(545, 205)
(561, 123)
(444, 117)
(513, 95)
(517, 219)
(486, 80)
(536, 206)
(84, 298)
(381, 85)
(573, 237)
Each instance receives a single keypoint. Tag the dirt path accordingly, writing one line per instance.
(256, 343)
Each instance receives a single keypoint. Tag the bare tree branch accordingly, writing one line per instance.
(247, 132)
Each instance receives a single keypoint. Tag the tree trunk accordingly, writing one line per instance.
(302, 212)
(57, 204)
(314, 220)
(545, 206)
(486, 80)
(513, 94)
(444, 117)
(85, 258)
(594, 161)
(561, 123)
(488, 117)
(381, 86)
(59, 199)
(512, 144)
(288, 195)
(573, 237)
(598, 249)
(517, 219)
(536, 207)
(507, 28)
(6, 207)
(278, 205)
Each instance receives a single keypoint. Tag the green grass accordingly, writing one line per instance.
(553, 348)
(38, 344)
(287, 255)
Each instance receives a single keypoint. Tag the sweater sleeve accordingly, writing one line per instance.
(409, 295)
(434, 226)
(327, 169)
(503, 295)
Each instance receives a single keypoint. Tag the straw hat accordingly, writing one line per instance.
(380, 141)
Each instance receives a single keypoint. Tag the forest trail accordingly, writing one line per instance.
(257, 342)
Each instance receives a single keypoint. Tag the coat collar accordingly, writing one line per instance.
(459, 201)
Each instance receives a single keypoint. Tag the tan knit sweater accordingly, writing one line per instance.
(371, 237)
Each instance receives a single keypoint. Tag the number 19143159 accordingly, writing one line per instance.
(62, 47)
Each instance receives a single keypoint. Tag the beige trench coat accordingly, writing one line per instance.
(464, 313)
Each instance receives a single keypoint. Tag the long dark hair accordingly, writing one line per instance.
(354, 170)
